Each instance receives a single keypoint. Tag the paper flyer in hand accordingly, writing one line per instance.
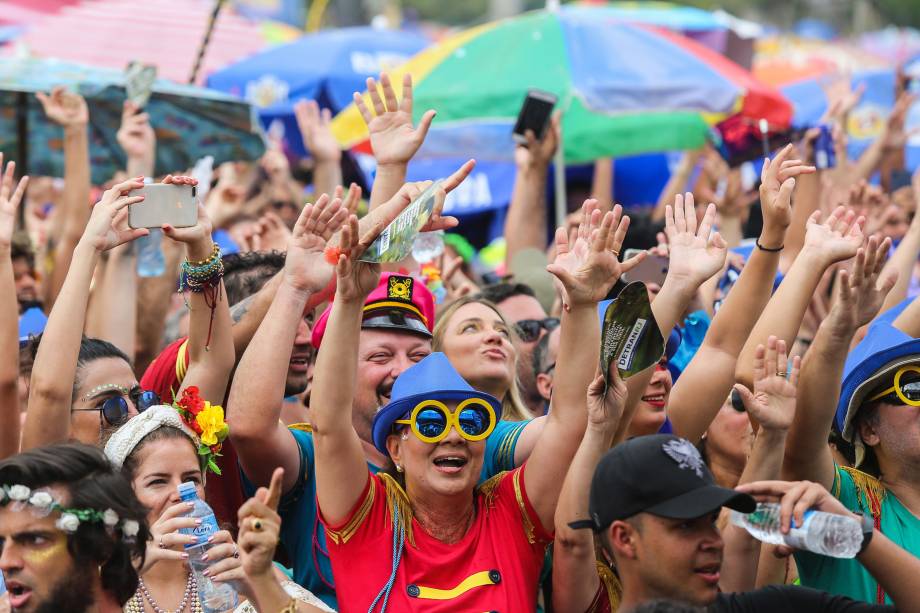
(630, 335)
(395, 242)
(139, 80)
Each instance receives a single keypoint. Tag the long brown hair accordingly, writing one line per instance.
(513, 408)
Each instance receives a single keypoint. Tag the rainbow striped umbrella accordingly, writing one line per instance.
(623, 88)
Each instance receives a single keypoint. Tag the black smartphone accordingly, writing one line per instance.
(534, 115)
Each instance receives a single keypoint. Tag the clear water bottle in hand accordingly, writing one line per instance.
(213, 596)
(827, 534)
(427, 246)
(150, 260)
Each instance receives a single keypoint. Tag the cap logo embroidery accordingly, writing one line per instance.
(400, 288)
(685, 454)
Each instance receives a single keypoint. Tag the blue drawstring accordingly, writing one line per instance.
(399, 533)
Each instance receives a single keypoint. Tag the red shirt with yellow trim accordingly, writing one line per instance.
(494, 567)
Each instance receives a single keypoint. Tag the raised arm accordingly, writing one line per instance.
(341, 468)
(393, 138)
(708, 378)
(575, 579)
(835, 240)
(68, 110)
(587, 271)
(321, 144)
(807, 201)
(257, 391)
(677, 183)
(860, 294)
(210, 339)
(526, 221)
(51, 389)
(772, 405)
(902, 263)
(9, 314)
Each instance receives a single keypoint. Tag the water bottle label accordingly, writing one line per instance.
(797, 533)
(203, 531)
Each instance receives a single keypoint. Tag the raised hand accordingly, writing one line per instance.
(696, 253)
(257, 546)
(108, 223)
(861, 293)
(135, 135)
(588, 268)
(772, 402)
(305, 266)
(166, 542)
(777, 182)
(9, 202)
(355, 279)
(315, 130)
(393, 137)
(895, 136)
(838, 238)
(63, 107)
(539, 153)
(606, 403)
(198, 237)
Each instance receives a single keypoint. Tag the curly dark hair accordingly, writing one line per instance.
(246, 273)
(499, 292)
(91, 482)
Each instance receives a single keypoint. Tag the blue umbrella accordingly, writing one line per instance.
(190, 122)
(328, 67)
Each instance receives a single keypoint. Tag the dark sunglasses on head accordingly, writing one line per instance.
(529, 329)
(114, 410)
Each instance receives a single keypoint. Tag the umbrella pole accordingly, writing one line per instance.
(207, 39)
(22, 145)
(559, 170)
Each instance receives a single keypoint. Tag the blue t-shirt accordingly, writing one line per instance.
(303, 536)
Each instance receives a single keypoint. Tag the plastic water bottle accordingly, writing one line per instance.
(427, 246)
(823, 533)
(150, 260)
(213, 596)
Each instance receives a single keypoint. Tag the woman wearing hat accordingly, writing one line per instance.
(428, 537)
(877, 410)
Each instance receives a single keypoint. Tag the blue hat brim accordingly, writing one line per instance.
(397, 409)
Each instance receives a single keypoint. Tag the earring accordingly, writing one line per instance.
(405, 436)
(399, 468)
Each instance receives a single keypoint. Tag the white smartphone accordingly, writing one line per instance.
(176, 205)
(653, 269)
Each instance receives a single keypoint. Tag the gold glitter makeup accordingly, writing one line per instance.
(41, 555)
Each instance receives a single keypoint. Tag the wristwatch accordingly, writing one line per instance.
(868, 527)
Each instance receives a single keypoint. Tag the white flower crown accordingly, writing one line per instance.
(41, 503)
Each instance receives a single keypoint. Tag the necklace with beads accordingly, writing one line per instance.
(190, 598)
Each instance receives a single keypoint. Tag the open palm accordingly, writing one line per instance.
(393, 137)
(838, 238)
(772, 404)
(861, 293)
(696, 253)
(306, 267)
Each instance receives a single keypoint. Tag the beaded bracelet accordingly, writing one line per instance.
(204, 277)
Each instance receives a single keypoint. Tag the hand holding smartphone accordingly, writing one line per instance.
(534, 115)
(176, 205)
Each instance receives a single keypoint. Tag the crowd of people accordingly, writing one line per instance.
(432, 436)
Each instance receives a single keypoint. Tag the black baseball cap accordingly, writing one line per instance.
(661, 474)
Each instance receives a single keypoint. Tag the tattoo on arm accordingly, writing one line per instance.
(239, 310)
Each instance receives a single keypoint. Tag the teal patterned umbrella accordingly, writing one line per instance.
(190, 122)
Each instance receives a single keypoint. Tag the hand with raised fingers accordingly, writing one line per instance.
(606, 403)
(166, 542)
(135, 135)
(260, 527)
(538, 153)
(64, 107)
(393, 137)
(696, 252)
(772, 403)
(351, 199)
(273, 235)
(108, 223)
(862, 291)
(588, 268)
(355, 279)
(197, 238)
(795, 497)
(777, 184)
(837, 238)
(316, 132)
(9, 202)
(306, 268)
(895, 135)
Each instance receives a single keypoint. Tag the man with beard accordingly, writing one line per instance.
(70, 531)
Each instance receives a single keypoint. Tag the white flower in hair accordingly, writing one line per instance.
(42, 500)
(68, 522)
(19, 493)
(130, 528)
(110, 518)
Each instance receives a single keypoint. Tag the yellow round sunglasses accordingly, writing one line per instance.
(903, 392)
(431, 420)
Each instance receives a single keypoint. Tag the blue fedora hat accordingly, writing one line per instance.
(434, 378)
(871, 362)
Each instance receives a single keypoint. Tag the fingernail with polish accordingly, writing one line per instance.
(185, 556)
(204, 557)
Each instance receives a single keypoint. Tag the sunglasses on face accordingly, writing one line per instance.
(114, 410)
(431, 420)
(902, 393)
(529, 329)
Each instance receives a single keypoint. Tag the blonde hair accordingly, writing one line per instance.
(513, 408)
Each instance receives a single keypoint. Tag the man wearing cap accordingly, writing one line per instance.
(395, 334)
(878, 411)
(661, 532)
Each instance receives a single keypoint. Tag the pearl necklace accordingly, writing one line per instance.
(136, 604)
